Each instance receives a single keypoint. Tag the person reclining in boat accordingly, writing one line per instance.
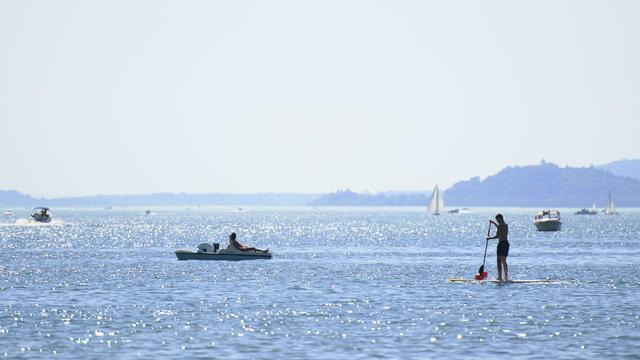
(236, 244)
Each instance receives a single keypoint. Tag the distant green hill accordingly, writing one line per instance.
(628, 168)
(12, 198)
(545, 185)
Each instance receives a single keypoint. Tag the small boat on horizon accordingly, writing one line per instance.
(585, 211)
(41, 215)
(547, 220)
(8, 213)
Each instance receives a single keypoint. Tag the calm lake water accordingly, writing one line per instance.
(343, 284)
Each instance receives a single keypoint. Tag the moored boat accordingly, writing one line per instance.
(208, 251)
(585, 211)
(8, 213)
(547, 220)
(41, 215)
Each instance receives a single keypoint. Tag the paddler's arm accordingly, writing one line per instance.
(497, 233)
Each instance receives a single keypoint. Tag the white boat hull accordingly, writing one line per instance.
(41, 219)
(548, 225)
(184, 254)
(206, 251)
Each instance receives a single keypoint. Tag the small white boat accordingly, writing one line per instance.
(437, 201)
(585, 211)
(208, 251)
(610, 209)
(41, 215)
(547, 220)
(8, 213)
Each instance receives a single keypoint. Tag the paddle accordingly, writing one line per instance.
(481, 270)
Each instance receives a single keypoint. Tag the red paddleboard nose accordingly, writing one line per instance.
(484, 275)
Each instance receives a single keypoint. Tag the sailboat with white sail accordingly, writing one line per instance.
(611, 208)
(437, 202)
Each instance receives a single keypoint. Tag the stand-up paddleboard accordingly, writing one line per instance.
(524, 281)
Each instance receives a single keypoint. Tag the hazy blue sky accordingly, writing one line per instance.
(295, 96)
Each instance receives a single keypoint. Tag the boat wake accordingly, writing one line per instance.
(27, 222)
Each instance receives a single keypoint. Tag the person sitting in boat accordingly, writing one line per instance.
(236, 244)
(503, 246)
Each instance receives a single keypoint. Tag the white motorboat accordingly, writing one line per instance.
(437, 201)
(208, 251)
(8, 213)
(547, 220)
(610, 209)
(41, 215)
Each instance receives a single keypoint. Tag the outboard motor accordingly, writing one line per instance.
(205, 248)
(216, 247)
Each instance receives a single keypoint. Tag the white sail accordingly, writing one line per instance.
(437, 202)
(611, 208)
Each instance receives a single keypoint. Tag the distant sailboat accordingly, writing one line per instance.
(437, 202)
(610, 209)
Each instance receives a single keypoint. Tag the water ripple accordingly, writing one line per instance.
(356, 283)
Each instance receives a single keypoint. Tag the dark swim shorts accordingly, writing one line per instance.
(503, 248)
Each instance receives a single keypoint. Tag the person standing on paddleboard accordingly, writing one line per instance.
(503, 246)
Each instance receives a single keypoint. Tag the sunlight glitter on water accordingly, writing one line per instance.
(350, 284)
